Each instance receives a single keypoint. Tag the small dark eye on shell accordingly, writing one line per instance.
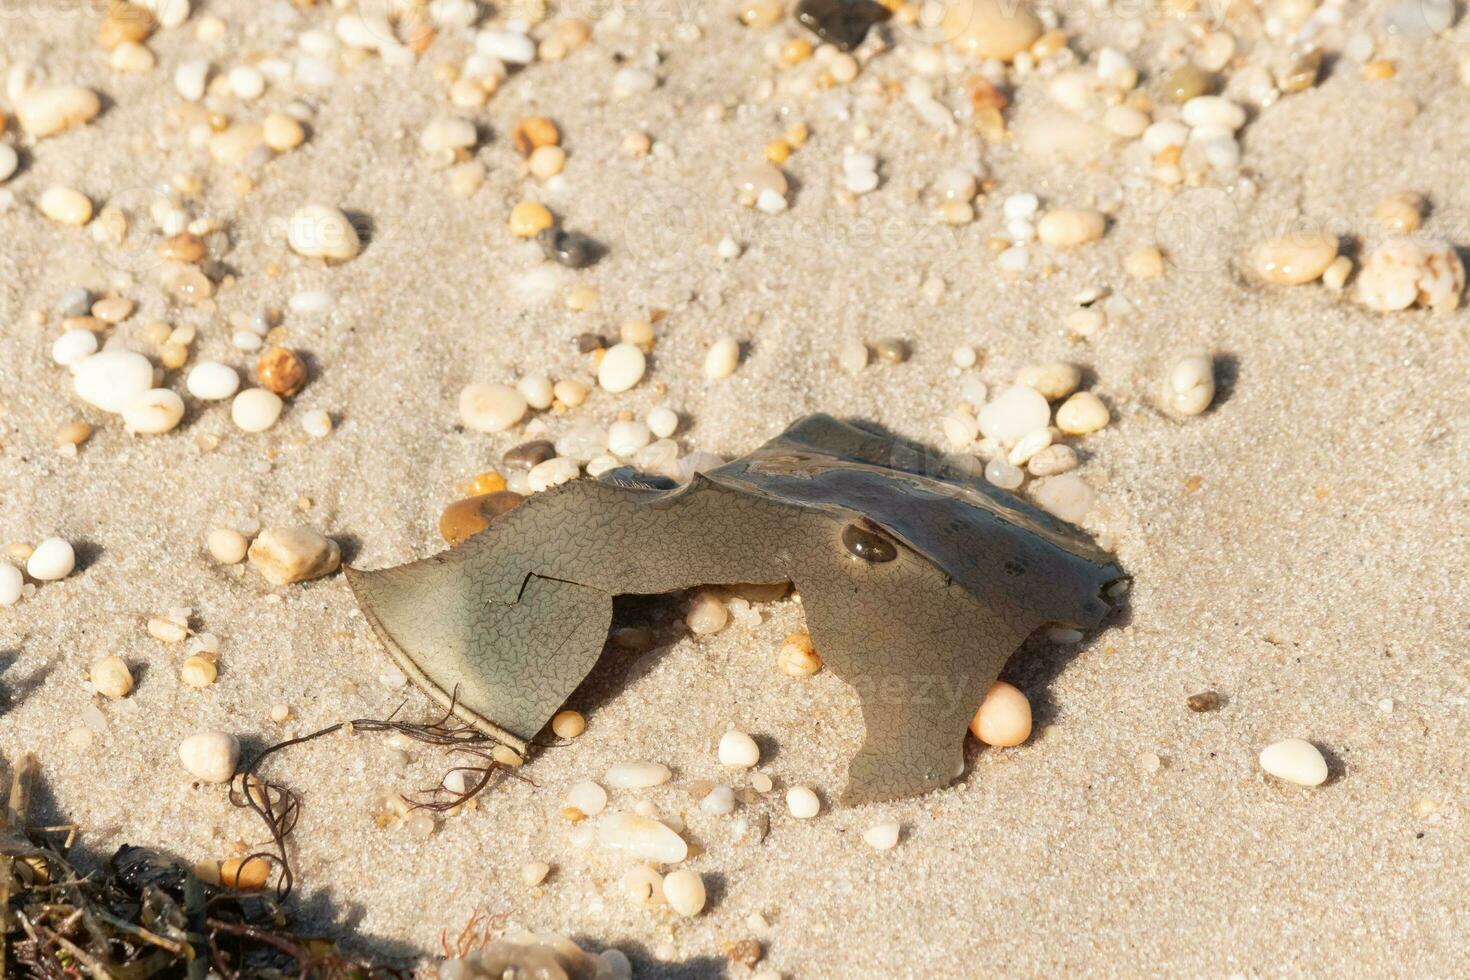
(868, 543)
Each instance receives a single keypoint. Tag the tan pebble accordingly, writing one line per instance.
(125, 23)
(1336, 275)
(1290, 260)
(684, 891)
(1145, 262)
(282, 133)
(198, 671)
(1004, 717)
(183, 247)
(506, 756)
(73, 434)
(132, 58)
(111, 677)
(1296, 761)
(568, 724)
(231, 146)
(547, 161)
(280, 371)
(168, 629)
(248, 874)
(48, 110)
(463, 519)
(1084, 412)
(570, 393)
(760, 13)
(66, 206)
(113, 309)
(528, 218)
(990, 28)
(533, 133)
(227, 546)
(1070, 227)
(1400, 213)
(1054, 380)
(796, 657)
(534, 873)
(294, 554)
(280, 713)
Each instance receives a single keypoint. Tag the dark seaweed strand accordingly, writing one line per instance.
(279, 807)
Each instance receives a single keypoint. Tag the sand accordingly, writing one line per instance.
(1316, 577)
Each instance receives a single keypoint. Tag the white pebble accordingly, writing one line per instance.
(621, 368)
(1015, 412)
(1020, 206)
(684, 891)
(1054, 459)
(9, 162)
(770, 202)
(719, 801)
(1296, 761)
(190, 78)
(642, 838)
(284, 555)
(852, 356)
(446, 134)
(638, 775)
(153, 412)
(1189, 386)
(1405, 272)
(624, 438)
(310, 301)
(317, 424)
(1213, 112)
(663, 422)
(1003, 474)
(255, 409)
(47, 110)
(12, 584)
(72, 346)
(802, 802)
(52, 560)
(537, 390)
(722, 359)
(490, 407)
(552, 473)
(707, 614)
(508, 46)
(212, 381)
(1066, 497)
(633, 81)
(246, 82)
(882, 836)
(960, 428)
(111, 379)
(210, 757)
(226, 545)
(534, 873)
(322, 232)
(1070, 227)
(1028, 446)
(1081, 414)
(588, 797)
(738, 750)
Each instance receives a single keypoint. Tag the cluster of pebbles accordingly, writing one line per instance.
(1169, 117)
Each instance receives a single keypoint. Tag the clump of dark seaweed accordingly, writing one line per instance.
(140, 916)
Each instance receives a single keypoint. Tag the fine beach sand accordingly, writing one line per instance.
(1316, 578)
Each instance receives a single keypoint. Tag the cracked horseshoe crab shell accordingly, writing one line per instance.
(918, 583)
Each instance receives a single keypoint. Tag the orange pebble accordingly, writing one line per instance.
(1004, 718)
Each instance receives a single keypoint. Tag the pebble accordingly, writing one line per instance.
(1081, 414)
(568, 248)
(446, 134)
(621, 368)
(1029, 445)
(1054, 380)
(212, 381)
(722, 359)
(738, 750)
(990, 28)
(52, 560)
(1405, 272)
(511, 47)
(882, 836)
(1144, 262)
(282, 133)
(280, 371)
(1401, 213)
(534, 873)
(568, 724)
(1070, 227)
(1212, 112)
(891, 350)
(226, 545)
(642, 838)
(490, 407)
(47, 110)
(153, 412)
(1189, 385)
(9, 162)
(463, 519)
(552, 473)
(1203, 701)
(1004, 474)
(255, 409)
(1014, 413)
(960, 428)
(625, 438)
(1004, 717)
(802, 802)
(796, 657)
(321, 232)
(529, 218)
(588, 797)
(1054, 459)
(663, 422)
(528, 454)
(12, 584)
(1296, 761)
(1066, 497)
(210, 757)
(317, 423)
(111, 677)
(72, 346)
(643, 886)
(719, 801)
(198, 671)
(284, 555)
(638, 775)
(1290, 260)
(66, 206)
(707, 614)
(684, 891)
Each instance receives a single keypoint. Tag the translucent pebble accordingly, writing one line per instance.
(738, 750)
(584, 440)
(960, 428)
(964, 357)
(1016, 412)
(1054, 459)
(212, 381)
(588, 797)
(642, 838)
(770, 202)
(637, 775)
(1296, 761)
(626, 438)
(1066, 497)
(882, 836)
(802, 802)
(311, 301)
(707, 614)
(511, 47)
(72, 346)
(1004, 475)
(111, 379)
(719, 801)
(756, 179)
(1028, 446)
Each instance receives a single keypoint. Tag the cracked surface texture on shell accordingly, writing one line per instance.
(509, 622)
